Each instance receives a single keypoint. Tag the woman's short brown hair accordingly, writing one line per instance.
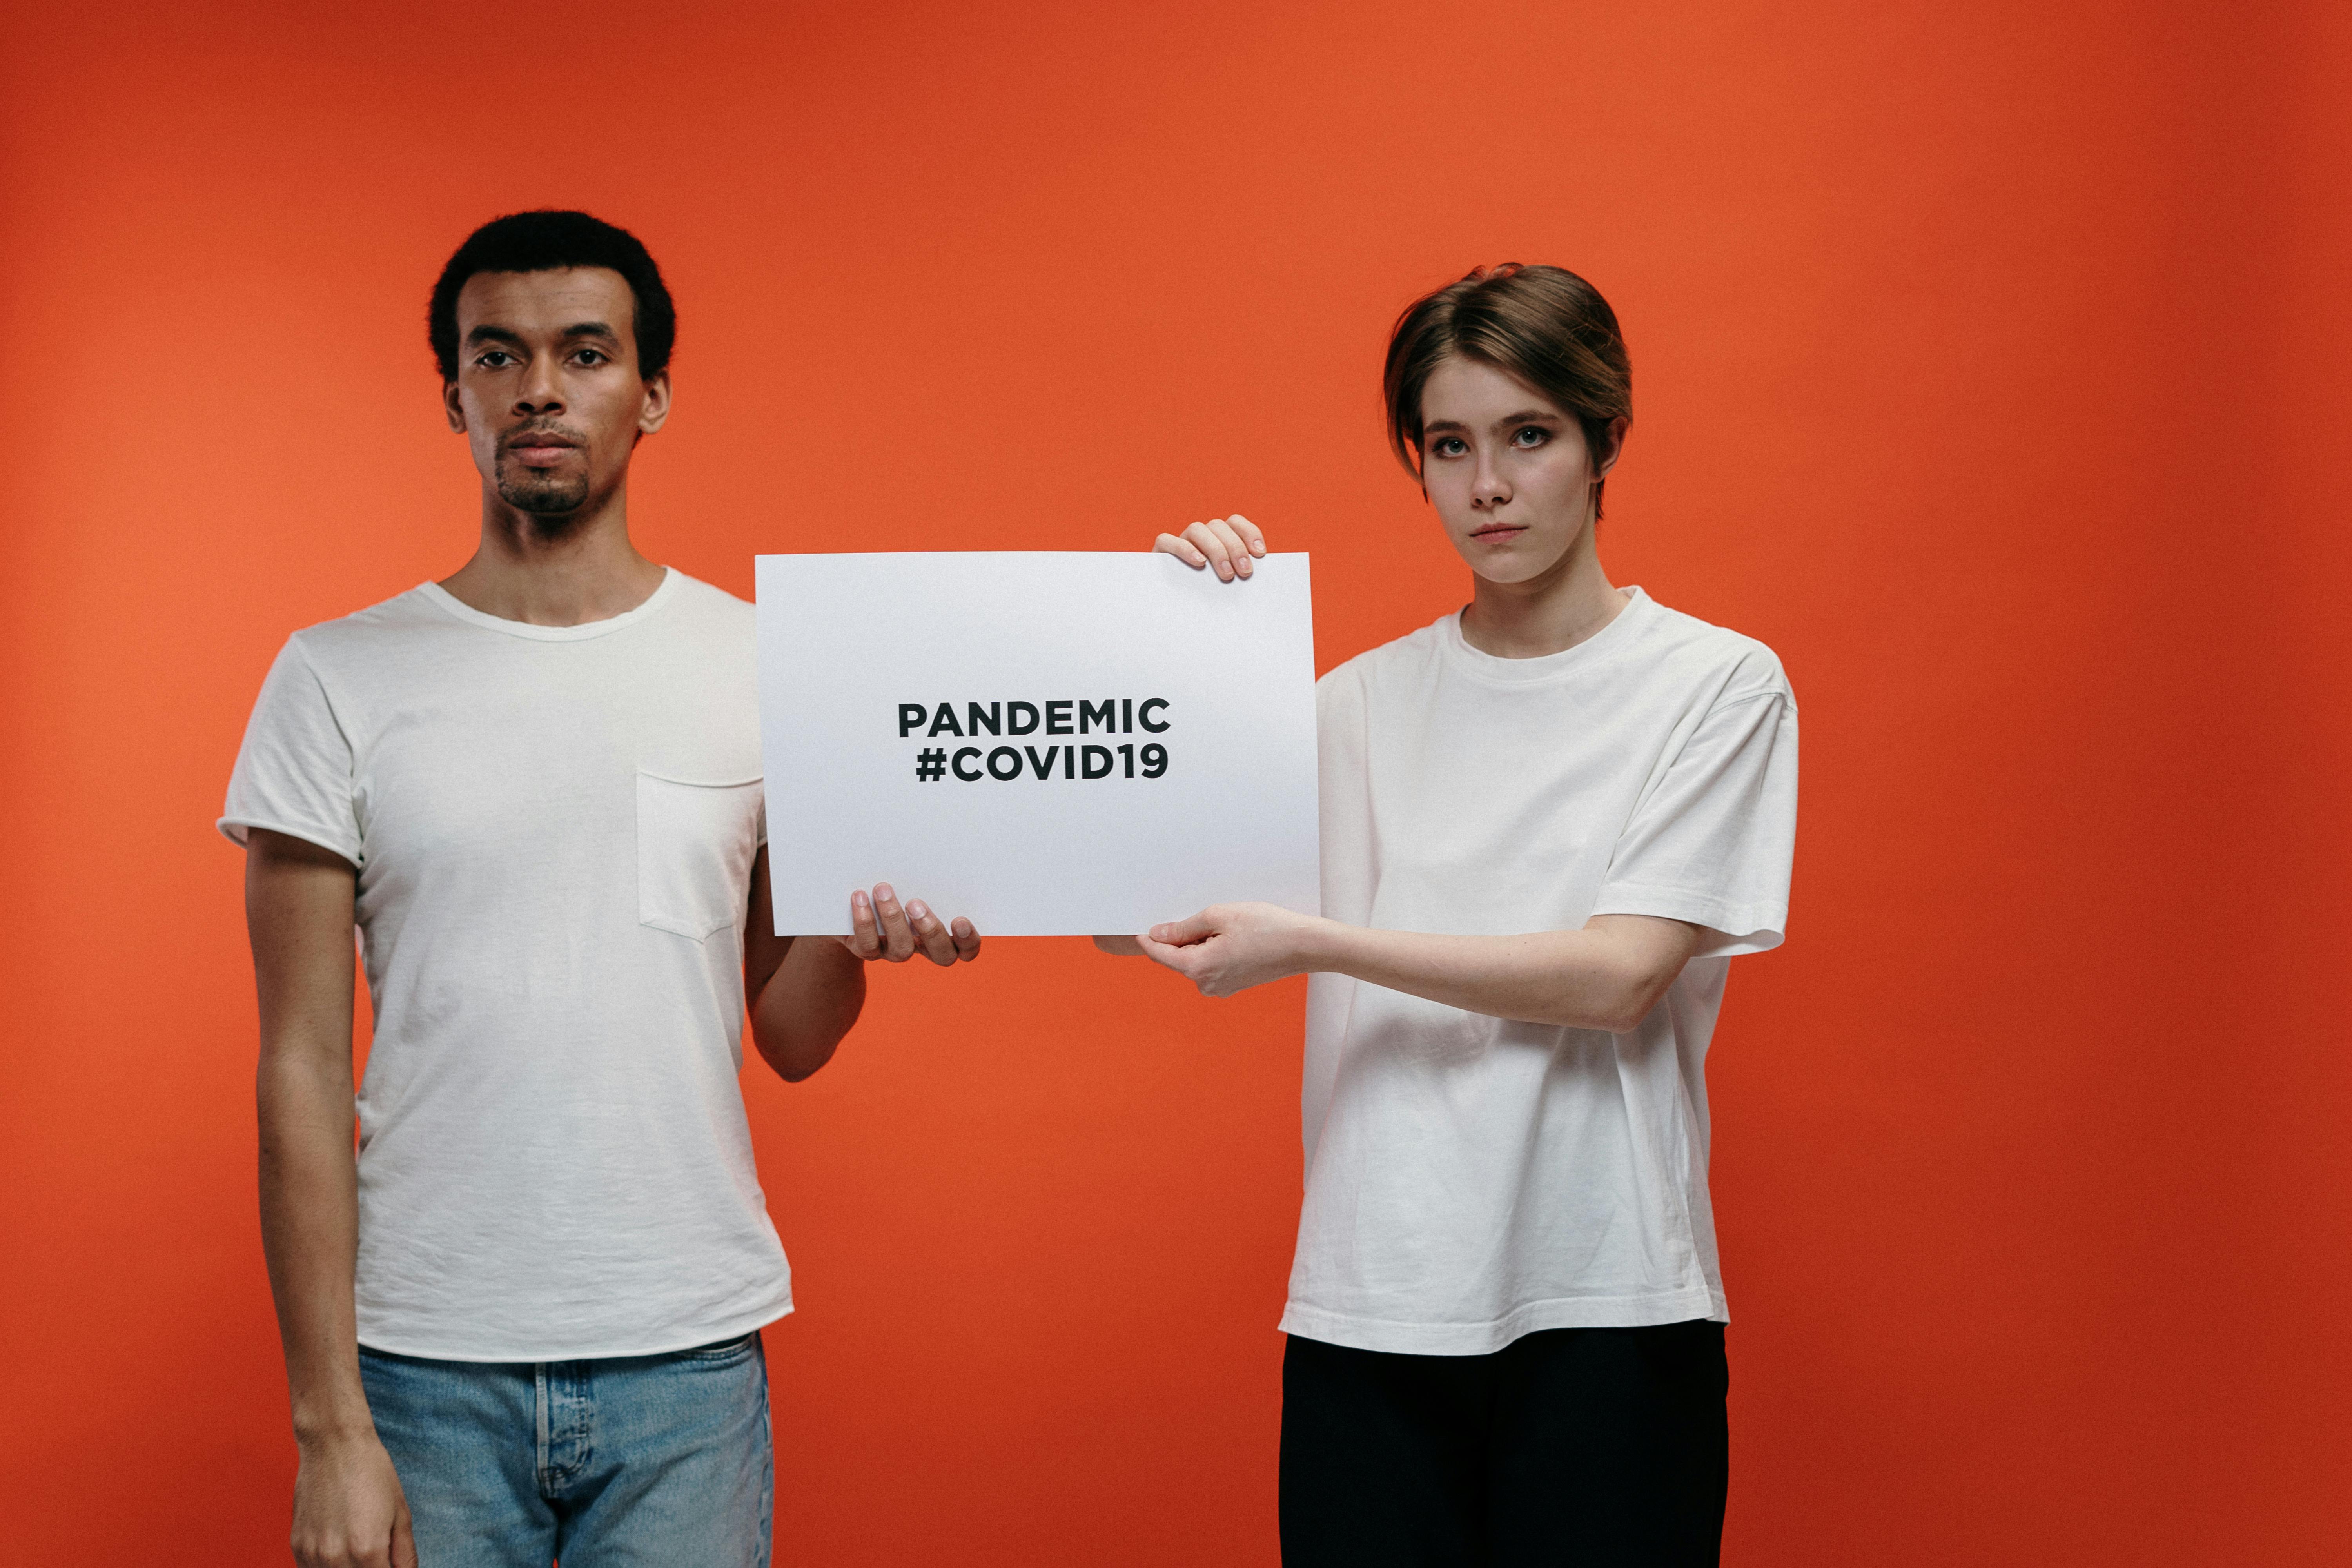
(1542, 324)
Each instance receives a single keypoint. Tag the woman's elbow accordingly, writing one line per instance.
(1626, 1002)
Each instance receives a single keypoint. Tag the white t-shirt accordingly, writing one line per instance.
(554, 829)
(1469, 1179)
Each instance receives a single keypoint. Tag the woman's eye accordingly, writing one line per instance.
(1532, 436)
(1450, 446)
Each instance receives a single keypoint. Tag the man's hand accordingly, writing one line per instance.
(347, 1508)
(1231, 947)
(880, 928)
(1227, 543)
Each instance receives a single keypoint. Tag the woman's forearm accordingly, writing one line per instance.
(1607, 975)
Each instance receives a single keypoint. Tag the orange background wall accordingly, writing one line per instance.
(1989, 367)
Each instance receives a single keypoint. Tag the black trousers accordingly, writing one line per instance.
(1605, 1447)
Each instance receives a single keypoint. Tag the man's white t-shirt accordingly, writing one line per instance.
(1470, 1179)
(554, 828)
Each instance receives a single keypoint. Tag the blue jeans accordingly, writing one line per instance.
(658, 1459)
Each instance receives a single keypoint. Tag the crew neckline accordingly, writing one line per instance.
(662, 592)
(1501, 671)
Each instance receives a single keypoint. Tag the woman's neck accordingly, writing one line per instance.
(1545, 614)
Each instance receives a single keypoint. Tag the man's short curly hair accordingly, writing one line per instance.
(546, 241)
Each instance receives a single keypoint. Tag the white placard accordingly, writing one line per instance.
(1153, 749)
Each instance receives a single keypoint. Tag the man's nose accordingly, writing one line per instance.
(539, 392)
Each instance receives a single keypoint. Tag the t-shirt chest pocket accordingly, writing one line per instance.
(696, 842)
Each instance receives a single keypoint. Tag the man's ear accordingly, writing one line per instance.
(450, 405)
(655, 413)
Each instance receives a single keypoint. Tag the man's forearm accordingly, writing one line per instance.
(309, 1233)
(808, 1005)
(1588, 979)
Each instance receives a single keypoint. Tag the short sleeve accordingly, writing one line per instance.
(293, 774)
(1711, 839)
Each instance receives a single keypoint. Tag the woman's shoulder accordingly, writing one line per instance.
(1743, 666)
(1415, 650)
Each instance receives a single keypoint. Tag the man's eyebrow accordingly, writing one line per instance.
(489, 335)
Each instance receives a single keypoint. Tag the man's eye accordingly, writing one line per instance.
(497, 359)
(591, 356)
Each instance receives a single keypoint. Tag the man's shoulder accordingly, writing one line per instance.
(365, 632)
(704, 602)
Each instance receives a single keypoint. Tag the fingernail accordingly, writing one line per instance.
(917, 910)
(882, 894)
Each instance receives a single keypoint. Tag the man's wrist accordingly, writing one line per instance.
(327, 1432)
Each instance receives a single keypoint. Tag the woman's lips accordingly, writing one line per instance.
(1496, 535)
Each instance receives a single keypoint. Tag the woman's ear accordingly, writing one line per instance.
(1604, 461)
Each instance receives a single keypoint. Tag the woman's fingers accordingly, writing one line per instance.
(1190, 555)
(1227, 544)
(1237, 548)
(1220, 548)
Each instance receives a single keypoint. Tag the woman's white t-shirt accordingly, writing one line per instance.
(1471, 1179)
(554, 828)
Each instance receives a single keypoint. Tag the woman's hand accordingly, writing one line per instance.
(1231, 947)
(1227, 543)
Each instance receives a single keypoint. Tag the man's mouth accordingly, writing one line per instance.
(541, 446)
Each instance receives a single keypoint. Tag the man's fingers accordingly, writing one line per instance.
(1168, 544)
(937, 944)
(1251, 534)
(897, 937)
(967, 938)
(864, 938)
(404, 1540)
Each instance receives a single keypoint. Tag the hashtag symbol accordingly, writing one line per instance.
(930, 764)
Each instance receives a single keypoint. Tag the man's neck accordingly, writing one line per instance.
(555, 571)
(1546, 614)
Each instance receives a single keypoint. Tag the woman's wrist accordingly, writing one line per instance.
(1320, 945)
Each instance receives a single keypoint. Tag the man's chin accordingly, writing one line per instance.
(550, 504)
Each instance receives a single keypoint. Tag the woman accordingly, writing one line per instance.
(1549, 821)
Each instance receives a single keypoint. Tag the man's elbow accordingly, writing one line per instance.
(795, 1057)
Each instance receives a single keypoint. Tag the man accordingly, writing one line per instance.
(524, 1321)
